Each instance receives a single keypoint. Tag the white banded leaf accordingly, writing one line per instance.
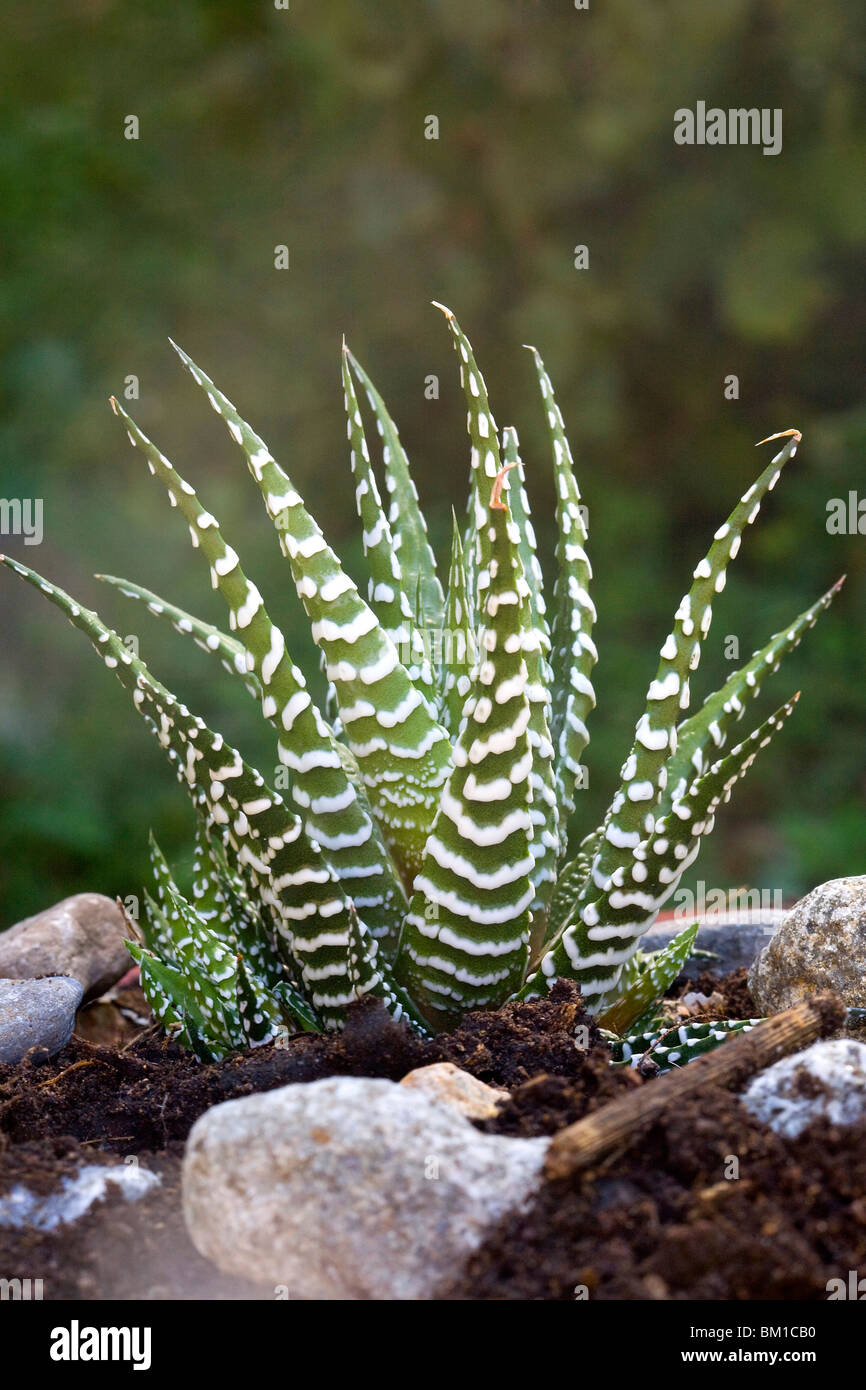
(403, 754)
(405, 517)
(701, 737)
(465, 940)
(676, 1046)
(386, 594)
(574, 653)
(536, 647)
(290, 875)
(593, 948)
(459, 653)
(322, 793)
(643, 776)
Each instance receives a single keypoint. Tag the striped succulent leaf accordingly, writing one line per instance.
(286, 868)
(386, 591)
(704, 734)
(402, 752)
(405, 517)
(460, 655)
(657, 974)
(420, 851)
(466, 936)
(676, 1046)
(574, 653)
(320, 789)
(228, 649)
(594, 952)
(539, 677)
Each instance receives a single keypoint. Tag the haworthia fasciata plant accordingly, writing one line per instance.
(414, 845)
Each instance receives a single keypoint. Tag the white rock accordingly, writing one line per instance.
(348, 1188)
(826, 1081)
(451, 1085)
(75, 1196)
(36, 1013)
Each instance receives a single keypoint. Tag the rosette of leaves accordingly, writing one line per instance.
(412, 842)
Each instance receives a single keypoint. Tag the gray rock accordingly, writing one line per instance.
(820, 945)
(81, 936)
(36, 1013)
(348, 1188)
(734, 938)
(835, 1089)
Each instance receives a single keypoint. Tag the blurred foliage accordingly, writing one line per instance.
(261, 126)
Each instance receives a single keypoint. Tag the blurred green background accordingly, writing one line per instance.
(305, 127)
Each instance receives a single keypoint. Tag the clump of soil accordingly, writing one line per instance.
(735, 1002)
(147, 1095)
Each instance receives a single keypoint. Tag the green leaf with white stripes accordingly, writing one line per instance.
(676, 1046)
(387, 595)
(319, 787)
(465, 941)
(458, 655)
(536, 648)
(701, 737)
(593, 949)
(403, 754)
(406, 519)
(659, 972)
(574, 653)
(293, 880)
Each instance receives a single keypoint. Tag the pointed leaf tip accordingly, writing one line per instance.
(449, 313)
(796, 435)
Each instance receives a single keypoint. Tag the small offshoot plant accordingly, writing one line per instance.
(413, 845)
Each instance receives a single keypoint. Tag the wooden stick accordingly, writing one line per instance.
(619, 1123)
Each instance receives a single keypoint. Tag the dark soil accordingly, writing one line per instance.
(666, 1220)
(139, 1099)
(661, 1221)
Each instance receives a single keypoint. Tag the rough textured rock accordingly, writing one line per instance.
(820, 945)
(348, 1187)
(734, 939)
(826, 1081)
(36, 1013)
(81, 936)
(452, 1086)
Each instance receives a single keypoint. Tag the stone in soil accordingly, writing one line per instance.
(21, 1207)
(825, 1081)
(348, 1188)
(450, 1085)
(734, 940)
(81, 936)
(36, 1013)
(820, 945)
